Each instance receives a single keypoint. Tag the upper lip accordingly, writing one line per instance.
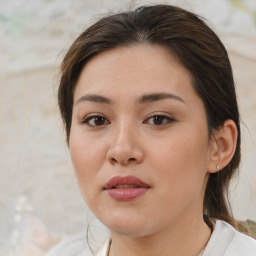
(126, 180)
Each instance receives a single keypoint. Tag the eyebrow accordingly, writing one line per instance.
(159, 96)
(94, 98)
(147, 98)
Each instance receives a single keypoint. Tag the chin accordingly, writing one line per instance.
(129, 227)
(129, 231)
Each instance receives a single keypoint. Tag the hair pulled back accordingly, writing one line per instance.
(195, 46)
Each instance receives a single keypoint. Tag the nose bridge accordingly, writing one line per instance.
(125, 146)
(123, 135)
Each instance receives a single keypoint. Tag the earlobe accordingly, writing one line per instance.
(223, 146)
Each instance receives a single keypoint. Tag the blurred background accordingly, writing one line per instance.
(37, 184)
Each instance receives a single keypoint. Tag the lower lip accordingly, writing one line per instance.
(126, 194)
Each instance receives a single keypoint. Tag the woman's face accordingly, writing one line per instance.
(139, 140)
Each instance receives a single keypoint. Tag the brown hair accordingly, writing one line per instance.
(195, 45)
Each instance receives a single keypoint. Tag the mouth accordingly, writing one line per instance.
(126, 182)
(126, 188)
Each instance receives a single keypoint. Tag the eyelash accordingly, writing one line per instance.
(91, 118)
(165, 120)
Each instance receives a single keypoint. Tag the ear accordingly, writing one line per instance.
(223, 146)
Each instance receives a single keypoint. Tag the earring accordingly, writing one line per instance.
(218, 167)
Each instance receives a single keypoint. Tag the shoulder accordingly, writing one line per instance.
(76, 245)
(227, 241)
(72, 246)
(241, 244)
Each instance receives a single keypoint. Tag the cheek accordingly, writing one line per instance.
(181, 162)
(181, 177)
(87, 158)
(184, 150)
(85, 150)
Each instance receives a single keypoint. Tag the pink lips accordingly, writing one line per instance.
(126, 188)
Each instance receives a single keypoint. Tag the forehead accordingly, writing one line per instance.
(134, 68)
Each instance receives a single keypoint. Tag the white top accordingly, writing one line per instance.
(224, 241)
(227, 241)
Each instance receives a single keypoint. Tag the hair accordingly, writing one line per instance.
(187, 37)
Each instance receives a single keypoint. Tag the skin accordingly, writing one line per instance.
(174, 155)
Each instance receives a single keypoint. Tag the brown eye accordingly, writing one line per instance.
(159, 120)
(96, 121)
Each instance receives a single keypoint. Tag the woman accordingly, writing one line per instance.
(149, 106)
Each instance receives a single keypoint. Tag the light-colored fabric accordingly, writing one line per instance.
(224, 241)
(71, 246)
(104, 250)
(76, 246)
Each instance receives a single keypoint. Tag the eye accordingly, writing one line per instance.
(159, 120)
(95, 121)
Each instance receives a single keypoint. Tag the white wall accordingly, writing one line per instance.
(35, 168)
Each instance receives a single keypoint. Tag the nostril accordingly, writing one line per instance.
(123, 161)
(113, 160)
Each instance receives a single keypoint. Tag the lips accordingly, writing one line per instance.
(125, 181)
(126, 188)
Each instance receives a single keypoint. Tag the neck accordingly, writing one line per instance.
(187, 237)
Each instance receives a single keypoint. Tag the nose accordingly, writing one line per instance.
(125, 147)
